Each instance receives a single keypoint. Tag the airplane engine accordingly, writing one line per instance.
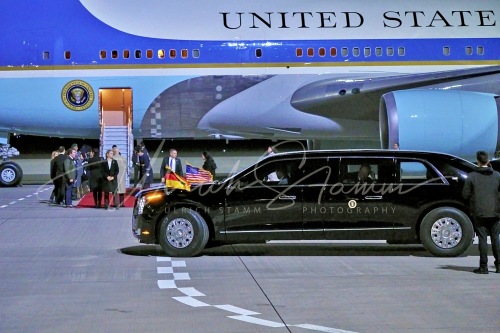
(452, 121)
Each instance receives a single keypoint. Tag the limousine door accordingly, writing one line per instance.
(263, 204)
(360, 204)
(320, 175)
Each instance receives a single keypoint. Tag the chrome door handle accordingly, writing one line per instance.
(287, 197)
(373, 197)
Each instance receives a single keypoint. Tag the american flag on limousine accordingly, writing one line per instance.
(197, 175)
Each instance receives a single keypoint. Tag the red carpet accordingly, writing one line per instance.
(88, 200)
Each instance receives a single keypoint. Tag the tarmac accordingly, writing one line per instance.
(81, 270)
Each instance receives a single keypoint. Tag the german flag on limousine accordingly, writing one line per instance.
(196, 175)
(173, 180)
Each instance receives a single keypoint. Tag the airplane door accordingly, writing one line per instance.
(115, 117)
(115, 106)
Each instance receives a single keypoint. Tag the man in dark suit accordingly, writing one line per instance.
(363, 176)
(58, 172)
(69, 177)
(110, 171)
(173, 163)
(481, 190)
(95, 179)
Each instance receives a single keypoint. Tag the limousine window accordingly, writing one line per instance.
(416, 172)
(298, 171)
(379, 170)
(272, 172)
(320, 171)
(448, 170)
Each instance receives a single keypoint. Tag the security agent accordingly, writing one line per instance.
(481, 190)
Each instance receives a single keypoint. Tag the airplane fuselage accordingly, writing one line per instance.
(245, 69)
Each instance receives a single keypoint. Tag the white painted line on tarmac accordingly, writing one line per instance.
(29, 195)
(166, 284)
(180, 263)
(237, 310)
(258, 321)
(191, 292)
(165, 270)
(321, 328)
(20, 199)
(242, 314)
(191, 301)
(13, 202)
(181, 276)
(3, 206)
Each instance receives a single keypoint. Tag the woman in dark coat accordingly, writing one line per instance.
(95, 176)
(110, 171)
(209, 163)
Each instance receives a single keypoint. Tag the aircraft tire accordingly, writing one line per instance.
(11, 174)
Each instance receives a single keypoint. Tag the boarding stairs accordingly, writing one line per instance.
(122, 137)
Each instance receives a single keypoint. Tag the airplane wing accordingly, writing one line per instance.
(359, 99)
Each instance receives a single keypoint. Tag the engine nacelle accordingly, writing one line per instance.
(451, 121)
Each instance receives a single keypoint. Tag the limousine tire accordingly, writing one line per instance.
(446, 232)
(183, 233)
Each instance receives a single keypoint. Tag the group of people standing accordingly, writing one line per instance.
(174, 164)
(106, 176)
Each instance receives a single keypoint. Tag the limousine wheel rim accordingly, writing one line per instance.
(180, 233)
(446, 233)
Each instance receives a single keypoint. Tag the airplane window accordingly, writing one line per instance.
(480, 50)
(258, 53)
(345, 51)
(149, 54)
(46, 55)
(298, 52)
(321, 51)
(67, 55)
(137, 54)
(368, 51)
(196, 53)
(401, 51)
(446, 50)
(355, 51)
(468, 50)
(390, 51)
(333, 51)
(161, 54)
(378, 51)
(310, 52)
(184, 53)
(173, 53)
(126, 54)
(114, 54)
(103, 54)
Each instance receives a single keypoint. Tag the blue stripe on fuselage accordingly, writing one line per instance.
(31, 28)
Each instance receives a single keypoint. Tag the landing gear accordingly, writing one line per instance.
(11, 174)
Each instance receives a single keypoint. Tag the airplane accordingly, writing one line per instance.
(339, 74)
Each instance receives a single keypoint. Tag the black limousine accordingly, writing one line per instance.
(394, 195)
